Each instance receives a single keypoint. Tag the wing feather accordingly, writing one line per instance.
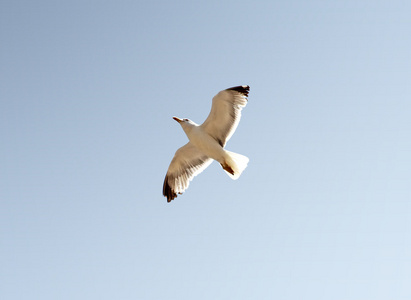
(225, 113)
(187, 162)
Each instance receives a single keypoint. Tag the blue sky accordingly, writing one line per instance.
(88, 89)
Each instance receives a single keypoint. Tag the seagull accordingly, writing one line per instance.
(207, 141)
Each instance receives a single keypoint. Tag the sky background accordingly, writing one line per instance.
(88, 90)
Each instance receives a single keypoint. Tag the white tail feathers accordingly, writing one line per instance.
(236, 163)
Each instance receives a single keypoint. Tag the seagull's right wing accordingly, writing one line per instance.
(225, 113)
(186, 163)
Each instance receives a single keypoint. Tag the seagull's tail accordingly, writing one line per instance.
(234, 164)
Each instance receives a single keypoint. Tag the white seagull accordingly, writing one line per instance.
(207, 142)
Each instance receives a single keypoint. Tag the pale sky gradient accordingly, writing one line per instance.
(88, 90)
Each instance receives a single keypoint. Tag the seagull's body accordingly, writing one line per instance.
(203, 141)
(207, 142)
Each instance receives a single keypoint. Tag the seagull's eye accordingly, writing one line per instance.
(185, 120)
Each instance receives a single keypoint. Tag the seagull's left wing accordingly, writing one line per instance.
(186, 163)
(225, 113)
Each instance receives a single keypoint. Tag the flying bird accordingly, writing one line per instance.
(207, 141)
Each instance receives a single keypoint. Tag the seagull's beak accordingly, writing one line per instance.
(177, 119)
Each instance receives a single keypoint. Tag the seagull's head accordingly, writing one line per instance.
(185, 123)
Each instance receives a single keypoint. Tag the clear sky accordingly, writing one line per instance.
(88, 90)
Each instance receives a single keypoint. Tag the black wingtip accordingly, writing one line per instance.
(167, 191)
(243, 89)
